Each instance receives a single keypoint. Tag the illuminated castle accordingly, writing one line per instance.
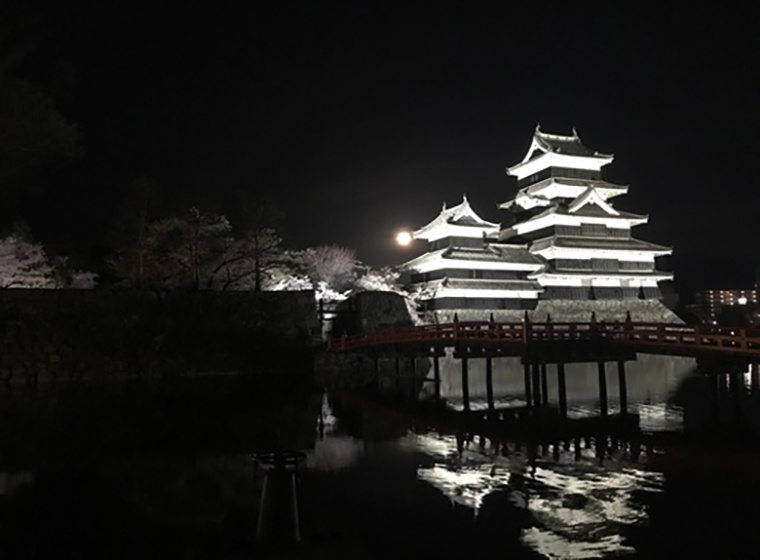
(568, 253)
(466, 267)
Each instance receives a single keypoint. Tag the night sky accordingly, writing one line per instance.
(362, 118)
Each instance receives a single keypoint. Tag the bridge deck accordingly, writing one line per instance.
(686, 340)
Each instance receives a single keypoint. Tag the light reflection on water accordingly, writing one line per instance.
(582, 514)
(578, 509)
(332, 450)
(577, 505)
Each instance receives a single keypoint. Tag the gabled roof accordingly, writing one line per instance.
(544, 142)
(535, 190)
(585, 211)
(591, 196)
(459, 215)
(594, 211)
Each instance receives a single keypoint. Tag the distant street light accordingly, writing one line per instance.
(404, 238)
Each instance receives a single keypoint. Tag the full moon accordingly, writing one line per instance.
(404, 238)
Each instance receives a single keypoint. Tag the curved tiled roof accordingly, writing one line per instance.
(561, 144)
(601, 243)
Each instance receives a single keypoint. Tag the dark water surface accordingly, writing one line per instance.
(373, 486)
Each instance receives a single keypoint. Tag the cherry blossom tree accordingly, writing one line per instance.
(197, 250)
(183, 251)
(25, 264)
(386, 279)
(249, 263)
(332, 265)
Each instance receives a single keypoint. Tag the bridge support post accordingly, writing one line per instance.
(398, 374)
(376, 364)
(737, 390)
(528, 392)
(602, 389)
(465, 385)
(601, 448)
(562, 389)
(736, 380)
(635, 450)
(544, 385)
(721, 397)
(437, 376)
(722, 386)
(489, 382)
(413, 376)
(623, 387)
(536, 386)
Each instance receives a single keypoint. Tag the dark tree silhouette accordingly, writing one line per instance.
(260, 221)
(33, 135)
(131, 234)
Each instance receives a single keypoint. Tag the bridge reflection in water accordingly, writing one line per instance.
(563, 499)
(650, 379)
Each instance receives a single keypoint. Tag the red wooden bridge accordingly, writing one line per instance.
(687, 340)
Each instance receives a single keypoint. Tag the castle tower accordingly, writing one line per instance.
(564, 213)
(466, 270)
(568, 254)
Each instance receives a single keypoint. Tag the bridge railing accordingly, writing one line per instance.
(659, 335)
(437, 333)
(560, 331)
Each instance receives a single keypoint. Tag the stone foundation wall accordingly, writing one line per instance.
(55, 336)
(371, 311)
(575, 311)
(578, 311)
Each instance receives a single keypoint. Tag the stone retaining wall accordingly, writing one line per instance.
(568, 311)
(371, 311)
(52, 336)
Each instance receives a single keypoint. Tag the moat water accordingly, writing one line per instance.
(373, 488)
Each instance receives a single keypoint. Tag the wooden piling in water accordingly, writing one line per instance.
(536, 386)
(562, 389)
(602, 389)
(413, 376)
(465, 385)
(623, 387)
(437, 376)
(398, 374)
(544, 385)
(528, 392)
(489, 382)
